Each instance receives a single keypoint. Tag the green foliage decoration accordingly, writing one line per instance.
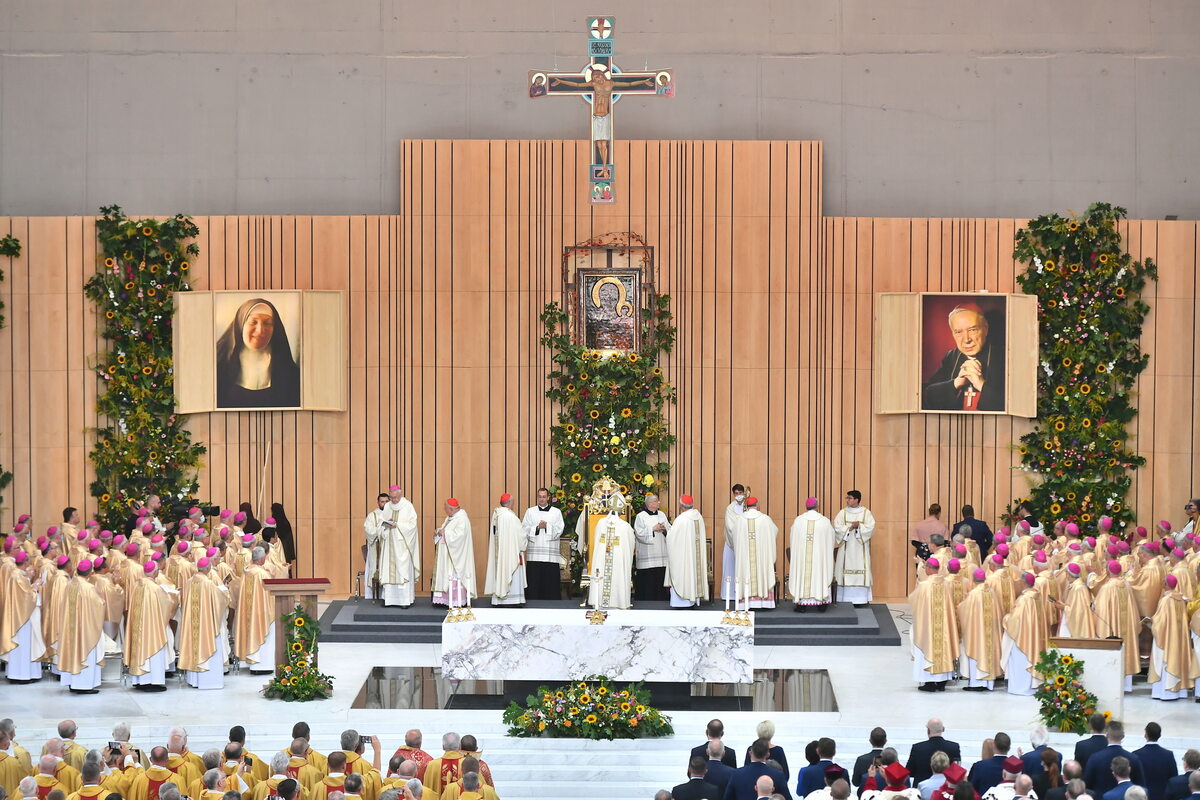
(299, 678)
(593, 708)
(1063, 703)
(145, 447)
(1090, 317)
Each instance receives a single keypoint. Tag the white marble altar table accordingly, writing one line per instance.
(555, 645)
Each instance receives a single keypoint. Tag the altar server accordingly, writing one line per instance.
(754, 536)
(399, 550)
(543, 525)
(810, 578)
(373, 528)
(687, 557)
(855, 525)
(454, 563)
(650, 529)
(505, 580)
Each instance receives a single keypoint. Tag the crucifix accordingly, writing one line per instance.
(601, 84)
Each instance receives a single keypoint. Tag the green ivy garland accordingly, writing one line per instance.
(299, 679)
(1090, 315)
(10, 246)
(145, 448)
(610, 409)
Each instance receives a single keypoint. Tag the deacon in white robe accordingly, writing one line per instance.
(728, 560)
(854, 525)
(811, 575)
(611, 564)
(454, 562)
(687, 557)
(754, 536)
(650, 530)
(505, 580)
(400, 551)
(543, 525)
(373, 528)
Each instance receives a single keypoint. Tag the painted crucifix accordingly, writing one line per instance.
(601, 84)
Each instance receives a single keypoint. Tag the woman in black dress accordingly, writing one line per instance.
(283, 527)
(252, 524)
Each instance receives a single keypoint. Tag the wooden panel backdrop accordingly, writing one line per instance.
(444, 369)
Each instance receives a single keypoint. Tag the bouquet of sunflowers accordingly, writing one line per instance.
(1063, 702)
(299, 679)
(589, 709)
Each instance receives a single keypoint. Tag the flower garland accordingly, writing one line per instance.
(1063, 702)
(10, 246)
(610, 409)
(145, 448)
(1090, 315)
(589, 709)
(299, 678)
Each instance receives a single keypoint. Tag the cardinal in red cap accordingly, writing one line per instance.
(505, 578)
(454, 558)
(810, 579)
(687, 556)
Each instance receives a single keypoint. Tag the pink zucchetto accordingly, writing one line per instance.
(226, 513)
(979, 576)
(960, 549)
(954, 565)
(223, 532)
(21, 557)
(1172, 581)
(193, 511)
(147, 527)
(119, 540)
(131, 549)
(1105, 523)
(248, 538)
(143, 511)
(1178, 553)
(1076, 546)
(1000, 538)
(810, 503)
(84, 565)
(1039, 556)
(52, 530)
(1169, 543)
(203, 562)
(61, 561)
(19, 528)
(98, 562)
(1075, 569)
(92, 524)
(997, 559)
(1029, 579)
(181, 548)
(933, 563)
(239, 518)
(1123, 547)
(269, 522)
(149, 567)
(1024, 525)
(1002, 550)
(23, 519)
(1114, 567)
(94, 544)
(1165, 525)
(1091, 541)
(1004, 529)
(211, 552)
(82, 535)
(1112, 549)
(1039, 539)
(1072, 529)
(156, 539)
(106, 535)
(44, 546)
(9, 543)
(393, 488)
(156, 557)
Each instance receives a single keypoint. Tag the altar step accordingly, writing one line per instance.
(357, 620)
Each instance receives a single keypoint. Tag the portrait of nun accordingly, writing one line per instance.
(255, 365)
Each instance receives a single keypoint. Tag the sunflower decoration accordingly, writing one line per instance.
(304, 683)
(596, 710)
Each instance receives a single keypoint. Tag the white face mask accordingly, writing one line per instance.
(738, 498)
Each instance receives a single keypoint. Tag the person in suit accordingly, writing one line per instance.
(812, 777)
(744, 779)
(719, 772)
(878, 739)
(1071, 771)
(1098, 774)
(922, 752)
(696, 787)
(1033, 759)
(1120, 771)
(980, 531)
(763, 787)
(1194, 784)
(988, 772)
(1085, 747)
(714, 730)
(1158, 763)
(1177, 787)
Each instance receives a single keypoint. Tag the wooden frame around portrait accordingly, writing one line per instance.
(898, 374)
(322, 333)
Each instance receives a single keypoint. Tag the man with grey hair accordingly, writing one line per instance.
(411, 749)
(63, 772)
(183, 762)
(415, 788)
(445, 769)
(8, 733)
(73, 752)
(1033, 759)
(921, 754)
(254, 629)
(352, 746)
(392, 793)
(213, 781)
(971, 375)
(650, 555)
(121, 733)
(663, 794)
(279, 773)
(169, 791)
(470, 781)
(28, 788)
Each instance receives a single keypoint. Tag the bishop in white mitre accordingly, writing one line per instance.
(505, 579)
(855, 525)
(454, 564)
(611, 564)
(399, 550)
(811, 575)
(754, 535)
(687, 557)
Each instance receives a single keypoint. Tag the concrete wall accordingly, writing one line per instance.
(927, 107)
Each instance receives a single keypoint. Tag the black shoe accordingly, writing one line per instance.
(927, 687)
(262, 672)
(32, 680)
(85, 691)
(941, 686)
(151, 687)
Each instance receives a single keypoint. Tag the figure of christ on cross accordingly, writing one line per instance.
(597, 80)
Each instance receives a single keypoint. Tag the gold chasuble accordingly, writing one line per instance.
(1026, 626)
(1116, 615)
(82, 624)
(11, 773)
(204, 605)
(1173, 636)
(1077, 609)
(979, 622)
(19, 600)
(150, 610)
(253, 616)
(935, 624)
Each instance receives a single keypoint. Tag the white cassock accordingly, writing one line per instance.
(455, 559)
(852, 567)
(373, 528)
(754, 535)
(728, 560)
(611, 564)
(399, 553)
(811, 573)
(687, 560)
(505, 580)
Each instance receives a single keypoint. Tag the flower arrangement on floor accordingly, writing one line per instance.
(593, 708)
(1090, 316)
(145, 448)
(299, 679)
(1063, 703)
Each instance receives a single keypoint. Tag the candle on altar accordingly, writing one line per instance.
(728, 591)
(597, 591)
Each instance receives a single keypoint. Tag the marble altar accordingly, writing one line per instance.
(632, 645)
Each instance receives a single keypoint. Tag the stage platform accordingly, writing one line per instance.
(357, 620)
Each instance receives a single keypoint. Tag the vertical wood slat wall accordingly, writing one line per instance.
(774, 306)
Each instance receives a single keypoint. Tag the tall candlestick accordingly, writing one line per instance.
(728, 591)
(596, 591)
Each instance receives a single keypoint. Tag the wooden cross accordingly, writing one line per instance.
(601, 84)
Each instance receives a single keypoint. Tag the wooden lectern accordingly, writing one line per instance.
(289, 593)
(1103, 669)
